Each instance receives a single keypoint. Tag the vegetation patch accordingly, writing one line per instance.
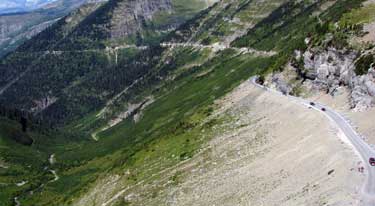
(363, 64)
(362, 15)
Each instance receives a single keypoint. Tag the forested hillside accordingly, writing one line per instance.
(124, 91)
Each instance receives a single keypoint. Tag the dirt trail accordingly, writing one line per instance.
(17, 202)
(55, 175)
(52, 161)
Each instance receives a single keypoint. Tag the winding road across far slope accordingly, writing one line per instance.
(214, 47)
(360, 146)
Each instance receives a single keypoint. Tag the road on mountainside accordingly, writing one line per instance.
(215, 47)
(359, 145)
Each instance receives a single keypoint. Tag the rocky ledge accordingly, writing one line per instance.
(327, 70)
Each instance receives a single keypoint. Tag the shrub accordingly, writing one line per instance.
(363, 64)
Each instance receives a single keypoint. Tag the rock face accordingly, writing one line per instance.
(333, 68)
(363, 91)
(280, 83)
(129, 16)
(327, 70)
(43, 103)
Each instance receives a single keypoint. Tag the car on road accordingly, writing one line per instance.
(324, 109)
(372, 161)
(312, 103)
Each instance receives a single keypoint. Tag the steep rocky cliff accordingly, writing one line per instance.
(327, 70)
(130, 17)
(334, 68)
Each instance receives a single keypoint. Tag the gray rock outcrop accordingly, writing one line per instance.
(333, 68)
(327, 70)
(280, 83)
(129, 16)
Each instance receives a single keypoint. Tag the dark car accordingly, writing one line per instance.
(312, 103)
(324, 109)
(372, 161)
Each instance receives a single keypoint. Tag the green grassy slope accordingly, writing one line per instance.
(21, 162)
(172, 124)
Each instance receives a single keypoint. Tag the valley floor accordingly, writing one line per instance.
(271, 152)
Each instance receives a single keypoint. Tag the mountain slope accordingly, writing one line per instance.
(8, 6)
(17, 28)
(75, 67)
(257, 154)
(128, 104)
(131, 22)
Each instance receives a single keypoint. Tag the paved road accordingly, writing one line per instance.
(360, 146)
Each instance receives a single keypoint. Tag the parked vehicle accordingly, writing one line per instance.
(324, 109)
(372, 161)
